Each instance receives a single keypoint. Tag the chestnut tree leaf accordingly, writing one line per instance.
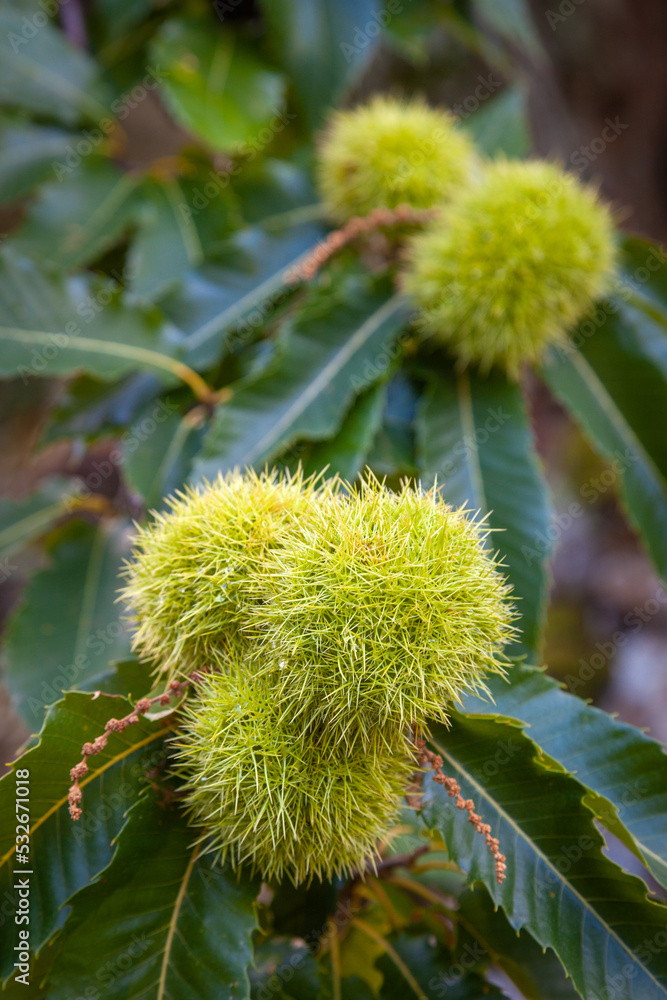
(625, 769)
(326, 354)
(559, 884)
(69, 625)
(215, 86)
(162, 922)
(65, 855)
(474, 437)
(613, 380)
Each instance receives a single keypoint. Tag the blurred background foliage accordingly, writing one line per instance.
(156, 179)
(141, 144)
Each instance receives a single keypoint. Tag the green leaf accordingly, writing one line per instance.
(306, 393)
(27, 153)
(614, 760)
(161, 923)
(644, 269)
(119, 17)
(65, 855)
(616, 389)
(359, 952)
(40, 967)
(47, 328)
(22, 521)
(501, 126)
(436, 971)
(393, 451)
(538, 974)
(129, 678)
(511, 21)
(238, 294)
(167, 245)
(158, 451)
(275, 193)
(41, 71)
(69, 625)
(481, 936)
(90, 408)
(559, 885)
(288, 964)
(346, 453)
(474, 435)
(214, 85)
(321, 44)
(79, 215)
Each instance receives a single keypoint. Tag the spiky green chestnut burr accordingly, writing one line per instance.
(384, 610)
(512, 264)
(196, 567)
(389, 153)
(267, 794)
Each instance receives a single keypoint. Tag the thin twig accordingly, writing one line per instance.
(357, 226)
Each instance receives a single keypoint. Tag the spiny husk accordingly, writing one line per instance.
(384, 610)
(391, 152)
(197, 566)
(333, 621)
(511, 265)
(277, 796)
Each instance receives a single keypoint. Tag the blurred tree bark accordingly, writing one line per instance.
(598, 99)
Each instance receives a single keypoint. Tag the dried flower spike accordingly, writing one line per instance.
(176, 689)
(453, 789)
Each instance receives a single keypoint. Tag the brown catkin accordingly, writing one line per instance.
(453, 789)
